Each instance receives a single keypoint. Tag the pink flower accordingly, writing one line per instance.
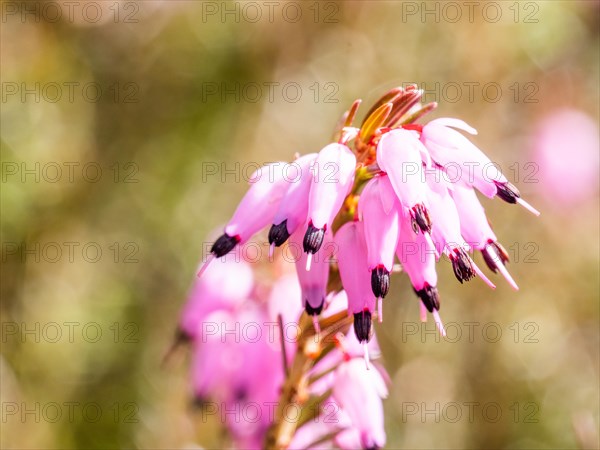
(335, 166)
(256, 210)
(359, 391)
(354, 272)
(236, 366)
(399, 155)
(447, 231)
(294, 206)
(380, 212)
(284, 300)
(449, 148)
(214, 291)
(476, 230)
(565, 146)
(312, 282)
(417, 258)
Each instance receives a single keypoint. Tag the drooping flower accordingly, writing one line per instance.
(335, 166)
(380, 212)
(363, 405)
(354, 272)
(417, 257)
(399, 155)
(447, 231)
(450, 149)
(294, 205)
(477, 231)
(313, 282)
(256, 210)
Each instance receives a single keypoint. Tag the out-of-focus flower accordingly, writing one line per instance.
(566, 148)
(362, 405)
(214, 291)
(237, 361)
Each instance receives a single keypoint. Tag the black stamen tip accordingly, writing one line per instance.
(430, 297)
(500, 251)
(421, 217)
(507, 192)
(278, 234)
(313, 239)
(314, 311)
(462, 265)
(362, 326)
(380, 281)
(224, 245)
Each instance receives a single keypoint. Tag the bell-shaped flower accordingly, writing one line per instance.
(312, 282)
(453, 151)
(294, 205)
(352, 261)
(256, 210)
(417, 257)
(215, 291)
(477, 231)
(399, 155)
(332, 180)
(359, 392)
(379, 210)
(447, 232)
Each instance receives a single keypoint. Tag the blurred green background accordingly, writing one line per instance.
(157, 93)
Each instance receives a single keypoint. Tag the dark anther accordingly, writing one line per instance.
(430, 297)
(313, 239)
(507, 192)
(314, 311)
(462, 265)
(380, 281)
(415, 226)
(224, 245)
(500, 251)
(421, 217)
(278, 234)
(362, 326)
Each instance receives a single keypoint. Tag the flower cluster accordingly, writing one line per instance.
(391, 188)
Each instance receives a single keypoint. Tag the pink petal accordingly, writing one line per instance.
(354, 272)
(334, 174)
(381, 229)
(399, 155)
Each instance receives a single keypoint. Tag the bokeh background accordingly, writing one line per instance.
(164, 91)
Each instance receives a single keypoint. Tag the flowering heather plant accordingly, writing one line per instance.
(390, 190)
